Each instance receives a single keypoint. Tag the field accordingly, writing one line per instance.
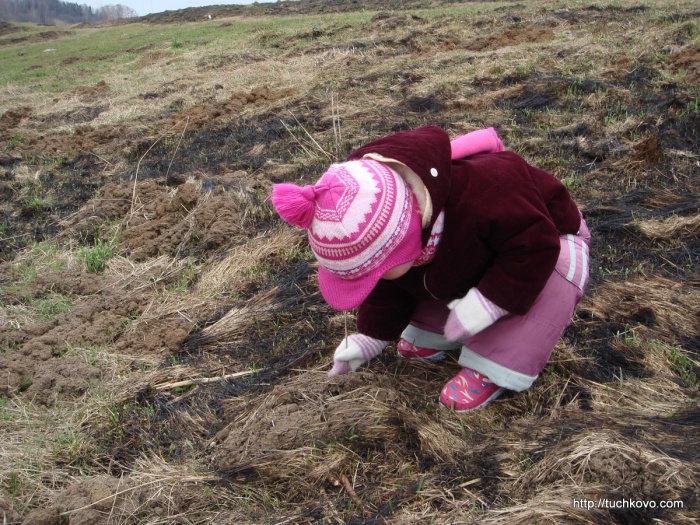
(163, 343)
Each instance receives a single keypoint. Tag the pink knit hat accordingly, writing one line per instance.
(362, 220)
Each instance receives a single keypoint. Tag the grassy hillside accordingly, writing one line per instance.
(164, 346)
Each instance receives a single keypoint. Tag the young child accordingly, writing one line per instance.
(446, 245)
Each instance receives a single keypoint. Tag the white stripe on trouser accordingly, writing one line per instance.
(584, 270)
(572, 260)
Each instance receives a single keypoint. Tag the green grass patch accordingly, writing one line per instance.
(49, 307)
(95, 257)
(64, 62)
(682, 365)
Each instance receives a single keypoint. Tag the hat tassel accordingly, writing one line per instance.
(294, 204)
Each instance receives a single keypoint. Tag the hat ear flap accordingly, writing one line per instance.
(294, 204)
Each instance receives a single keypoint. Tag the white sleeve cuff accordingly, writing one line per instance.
(476, 312)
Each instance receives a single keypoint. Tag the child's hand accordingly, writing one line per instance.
(470, 315)
(354, 351)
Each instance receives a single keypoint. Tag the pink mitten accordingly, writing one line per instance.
(354, 351)
(479, 141)
(470, 315)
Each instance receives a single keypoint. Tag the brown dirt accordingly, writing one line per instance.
(7, 28)
(687, 59)
(34, 37)
(93, 502)
(162, 220)
(125, 138)
(12, 118)
(85, 138)
(95, 498)
(40, 369)
(98, 89)
(510, 37)
(209, 113)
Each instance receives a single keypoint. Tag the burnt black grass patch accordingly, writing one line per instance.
(220, 148)
(619, 246)
(426, 104)
(297, 326)
(56, 194)
(151, 423)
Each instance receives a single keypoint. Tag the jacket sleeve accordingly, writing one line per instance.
(526, 245)
(386, 311)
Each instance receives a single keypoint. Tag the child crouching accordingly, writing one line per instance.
(444, 246)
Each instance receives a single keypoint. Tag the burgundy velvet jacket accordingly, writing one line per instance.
(503, 219)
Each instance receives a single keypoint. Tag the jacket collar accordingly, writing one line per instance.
(426, 151)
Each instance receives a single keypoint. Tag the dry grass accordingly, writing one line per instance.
(230, 272)
(683, 227)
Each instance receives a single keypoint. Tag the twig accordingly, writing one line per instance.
(184, 479)
(178, 146)
(117, 493)
(114, 501)
(558, 403)
(306, 150)
(353, 495)
(336, 125)
(136, 175)
(15, 237)
(204, 380)
(138, 166)
(101, 158)
(311, 138)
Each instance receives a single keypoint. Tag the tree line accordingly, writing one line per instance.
(55, 12)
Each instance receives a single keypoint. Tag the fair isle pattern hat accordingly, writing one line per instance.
(362, 220)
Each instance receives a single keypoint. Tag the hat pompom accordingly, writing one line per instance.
(295, 204)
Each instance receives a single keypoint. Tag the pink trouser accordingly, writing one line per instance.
(514, 350)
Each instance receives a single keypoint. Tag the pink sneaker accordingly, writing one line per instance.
(410, 351)
(468, 391)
